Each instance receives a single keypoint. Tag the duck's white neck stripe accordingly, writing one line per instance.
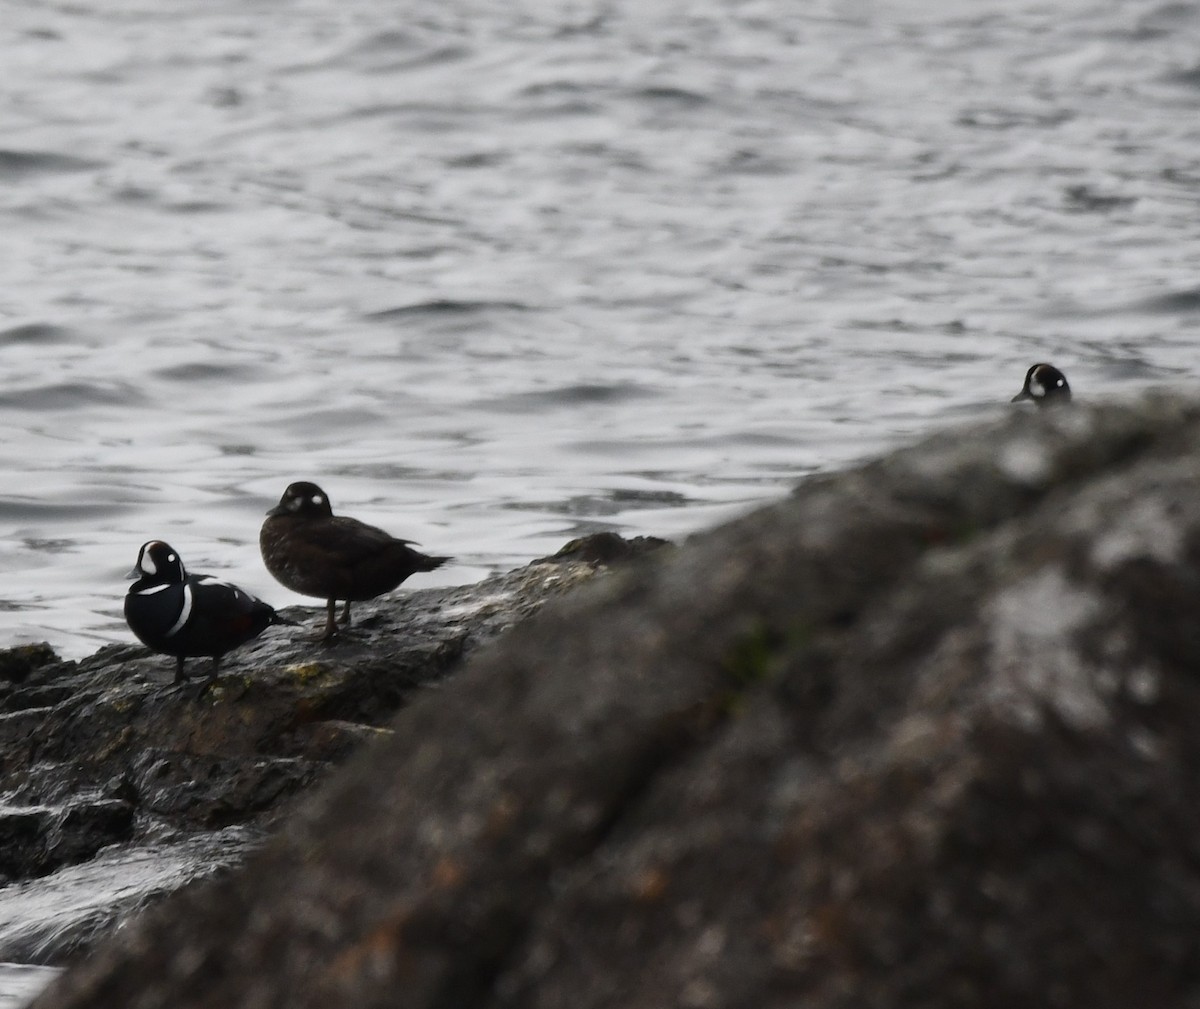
(153, 588)
(184, 613)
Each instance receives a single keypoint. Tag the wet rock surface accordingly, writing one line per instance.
(925, 734)
(108, 752)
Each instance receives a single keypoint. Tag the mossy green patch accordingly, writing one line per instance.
(124, 705)
(760, 656)
(304, 672)
(752, 657)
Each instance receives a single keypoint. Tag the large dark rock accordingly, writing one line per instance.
(926, 734)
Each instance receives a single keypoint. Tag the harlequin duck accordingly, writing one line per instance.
(313, 552)
(1045, 385)
(186, 615)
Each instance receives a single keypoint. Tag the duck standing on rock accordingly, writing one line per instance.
(316, 553)
(186, 615)
(1045, 385)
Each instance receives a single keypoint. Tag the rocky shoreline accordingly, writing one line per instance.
(105, 756)
(923, 734)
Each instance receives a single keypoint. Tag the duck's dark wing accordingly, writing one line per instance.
(349, 540)
(223, 616)
(338, 557)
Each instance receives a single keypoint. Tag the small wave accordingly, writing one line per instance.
(1084, 198)
(664, 94)
(432, 57)
(751, 162)
(596, 25)
(390, 40)
(585, 394)
(478, 159)
(388, 472)
(16, 509)
(604, 504)
(1175, 302)
(35, 332)
(333, 420)
(17, 164)
(447, 306)
(1186, 78)
(555, 89)
(70, 396)
(385, 52)
(561, 97)
(199, 371)
(996, 118)
(397, 49)
(46, 545)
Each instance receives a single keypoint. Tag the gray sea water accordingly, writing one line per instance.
(499, 274)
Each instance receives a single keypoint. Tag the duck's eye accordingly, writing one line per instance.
(171, 558)
(317, 499)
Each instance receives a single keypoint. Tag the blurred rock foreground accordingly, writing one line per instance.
(927, 733)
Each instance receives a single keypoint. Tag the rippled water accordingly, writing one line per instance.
(44, 918)
(496, 274)
(20, 982)
(64, 912)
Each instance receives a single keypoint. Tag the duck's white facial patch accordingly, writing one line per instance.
(317, 499)
(146, 564)
(294, 504)
(1036, 389)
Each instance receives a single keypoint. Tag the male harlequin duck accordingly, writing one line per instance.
(1045, 385)
(313, 552)
(190, 615)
